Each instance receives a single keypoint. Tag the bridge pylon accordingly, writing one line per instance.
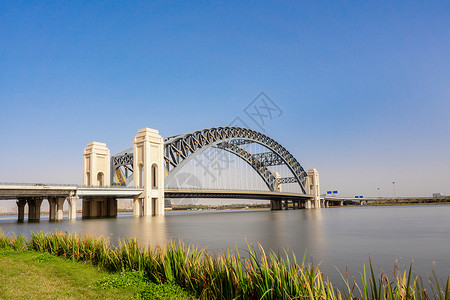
(313, 188)
(96, 173)
(148, 166)
(96, 164)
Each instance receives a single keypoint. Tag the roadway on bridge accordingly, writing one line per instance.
(14, 191)
(235, 194)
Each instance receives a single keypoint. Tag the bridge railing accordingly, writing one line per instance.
(67, 184)
(219, 189)
(110, 186)
(38, 184)
(212, 188)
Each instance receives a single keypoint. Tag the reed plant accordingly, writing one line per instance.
(16, 242)
(257, 275)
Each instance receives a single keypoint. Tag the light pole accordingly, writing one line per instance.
(393, 186)
(378, 192)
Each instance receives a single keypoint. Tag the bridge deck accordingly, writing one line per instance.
(35, 190)
(116, 192)
(261, 195)
(14, 191)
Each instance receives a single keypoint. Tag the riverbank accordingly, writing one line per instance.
(407, 201)
(254, 276)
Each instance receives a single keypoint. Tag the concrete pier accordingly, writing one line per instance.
(21, 208)
(296, 204)
(137, 206)
(73, 206)
(56, 208)
(52, 207)
(308, 204)
(59, 208)
(34, 208)
(99, 207)
(276, 204)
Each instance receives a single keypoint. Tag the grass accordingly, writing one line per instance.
(178, 269)
(34, 275)
(28, 274)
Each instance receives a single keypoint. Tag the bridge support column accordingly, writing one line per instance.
(275, 204)
(21, 209)
(99, 207)
(148, 166)
(308, 204)
(137, 207)
(52, 206)
(86, 207)
(59, 208)
(111, 207)
(34, 209)
(72, 207)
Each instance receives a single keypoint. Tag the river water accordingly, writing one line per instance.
(340, 237)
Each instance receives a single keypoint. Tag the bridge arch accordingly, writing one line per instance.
(180, 149)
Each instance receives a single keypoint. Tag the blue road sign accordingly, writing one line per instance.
(334, 192)
(328, 192)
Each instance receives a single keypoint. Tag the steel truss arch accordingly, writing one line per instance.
(178, 150)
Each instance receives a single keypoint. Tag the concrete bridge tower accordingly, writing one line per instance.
(96, 172)
(96, 165)
(148, 166)
(313, 188)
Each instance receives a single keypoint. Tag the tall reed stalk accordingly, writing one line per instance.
(226, 275)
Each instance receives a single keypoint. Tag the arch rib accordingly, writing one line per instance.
(178, 150)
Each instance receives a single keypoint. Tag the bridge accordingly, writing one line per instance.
(156, 170)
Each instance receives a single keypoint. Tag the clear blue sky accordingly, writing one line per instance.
(364, 87)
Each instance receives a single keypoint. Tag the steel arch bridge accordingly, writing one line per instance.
(180, 149)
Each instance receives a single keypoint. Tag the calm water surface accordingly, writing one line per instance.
(336, 237)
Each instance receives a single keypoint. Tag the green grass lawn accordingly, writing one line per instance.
(35, 275)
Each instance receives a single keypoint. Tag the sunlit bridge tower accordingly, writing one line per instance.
(96, 164)
(313, 188)
(148, 173)
(96, 173)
